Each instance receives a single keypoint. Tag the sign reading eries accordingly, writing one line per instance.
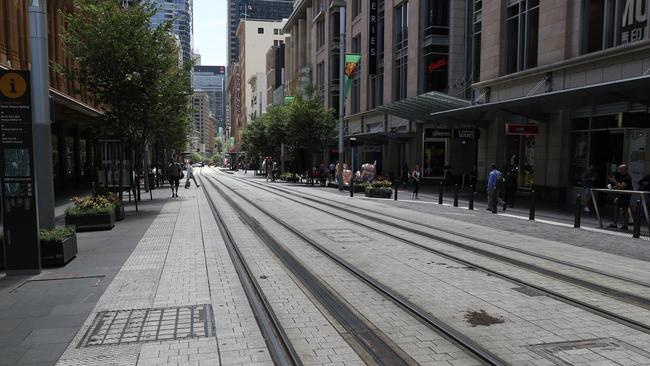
(20, 219)
(372, 37)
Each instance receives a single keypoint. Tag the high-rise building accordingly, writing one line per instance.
(202, 136)
(180, 13)
(212, 80)
(252, 10)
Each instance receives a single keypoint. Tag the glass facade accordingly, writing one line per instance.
(212, 80)
(179, 12)
(253, 10)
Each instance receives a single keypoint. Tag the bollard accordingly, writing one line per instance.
(456, 196)
(440, 192)
(531, 214)
(578, 212)
(471, 198)
(351, 186)
(395, 189)
(495, 197)
(637, 220)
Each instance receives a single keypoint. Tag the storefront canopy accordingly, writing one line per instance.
(540, 106)
(421, 106)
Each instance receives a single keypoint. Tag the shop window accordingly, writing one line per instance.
(435, 68)
(356, 8)
(260, 30)
(400, 48)
(434, 158)
(436, 17)
(522, 29)
(476, 40)
(604, 122)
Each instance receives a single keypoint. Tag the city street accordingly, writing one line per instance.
(242, 271)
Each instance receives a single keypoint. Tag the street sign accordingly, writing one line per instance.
(19, 211)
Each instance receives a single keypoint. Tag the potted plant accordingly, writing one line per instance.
(90, 213)
(113, 198)
(379, 189)
(58, 246)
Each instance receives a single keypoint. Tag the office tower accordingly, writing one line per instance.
(212, 81)
(180, 13)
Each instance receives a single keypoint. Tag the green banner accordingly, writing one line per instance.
(351, 68)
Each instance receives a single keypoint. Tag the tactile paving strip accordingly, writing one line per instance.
(115, 327)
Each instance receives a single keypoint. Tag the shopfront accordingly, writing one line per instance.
(520, 152)
(449, 153)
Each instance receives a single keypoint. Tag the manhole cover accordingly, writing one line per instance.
(115, 327)
(592, 351)
(343, 235)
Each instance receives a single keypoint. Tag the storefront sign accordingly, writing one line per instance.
(437, 133)
(633, 21)
(467, 133)
(19, 212)
(521, 129)
(437, 65)
(372, 37)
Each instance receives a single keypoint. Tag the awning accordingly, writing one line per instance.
(421, 106)
(540, 106)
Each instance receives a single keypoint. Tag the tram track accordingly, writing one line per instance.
(640, 326)
(381, 352)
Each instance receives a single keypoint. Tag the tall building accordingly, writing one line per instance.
(212, 80)
(180, 13)
(202, 136)
(252, 10)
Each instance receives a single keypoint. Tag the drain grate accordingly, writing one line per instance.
(591, 352)
(343, 235)
(116, 327)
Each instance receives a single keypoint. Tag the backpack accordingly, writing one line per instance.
(174, 170)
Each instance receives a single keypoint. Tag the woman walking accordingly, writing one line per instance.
(416, 175)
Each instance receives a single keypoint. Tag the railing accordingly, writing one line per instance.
(642, 195)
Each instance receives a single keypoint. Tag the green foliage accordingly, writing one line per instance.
(379, 183)
(379, 192)
(90, 205)
(56, 235)
(218, 145)
(75, 211)
(131, 70)
(197, 158)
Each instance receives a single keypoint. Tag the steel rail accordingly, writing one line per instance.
(278, 344)
(451, 334)
(642, 327)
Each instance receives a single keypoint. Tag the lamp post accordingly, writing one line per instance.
(41, 112)
(341, 89)
(353, 144)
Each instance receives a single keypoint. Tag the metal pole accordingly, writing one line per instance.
(395, 183)
(531, 214)
(352, 170)
(41, 112)
(471, 198)
(578, 211)
(637, 220)
(440, 192)
(456, 196)
(341, 96)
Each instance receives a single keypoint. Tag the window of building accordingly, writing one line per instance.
(276, 31)
(260, 30)
(436, 17)
(320, 33)
(320, 80)
(400, 50)
(477, 21)
(377, 81)
(522, 30)
(601, 29)
(355, 92)
(435, 68)
(356, 8)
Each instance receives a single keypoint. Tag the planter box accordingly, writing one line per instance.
(55, 253)
(104, 221)
(119, 213)
(379, 192)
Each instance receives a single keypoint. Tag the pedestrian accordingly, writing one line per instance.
(190, 175)
(621, 180)
(269, 169)
(588, 182)
(174, 173)
(416, 175)
(495, 179)
(511, 179)
(275, 171)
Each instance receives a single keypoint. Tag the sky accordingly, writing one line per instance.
(210, 31)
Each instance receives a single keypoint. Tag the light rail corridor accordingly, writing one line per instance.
(535, 307)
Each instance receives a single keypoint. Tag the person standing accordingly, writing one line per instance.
(174, 173)
(512, 177)
(269, 169)
(416, 175)
(621, 181)
(588, 182)
(494, 179)
(190, 175)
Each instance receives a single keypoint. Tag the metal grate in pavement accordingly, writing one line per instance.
(115, 327)
(591, 352)
(343, 235)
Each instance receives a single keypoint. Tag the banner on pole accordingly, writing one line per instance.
(351, 68)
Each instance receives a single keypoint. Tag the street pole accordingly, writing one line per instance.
(41, 112)
(341, 92)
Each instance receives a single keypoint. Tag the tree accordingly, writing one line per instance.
(132, 71)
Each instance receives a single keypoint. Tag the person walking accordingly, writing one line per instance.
(494, 179)
(174, 174)
(416, 175)
(621, 181)
(190, 175)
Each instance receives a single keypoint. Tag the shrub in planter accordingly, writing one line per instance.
(379, 192)
(58, 246)
(90, 213)
(115, 200)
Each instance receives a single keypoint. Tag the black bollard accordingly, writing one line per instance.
(440, 192)
(637, 220)
(395, 189)
(495, 197)
(471, 198)
(351, 186)
(531, 214)
(578, 212)
(456, 196)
